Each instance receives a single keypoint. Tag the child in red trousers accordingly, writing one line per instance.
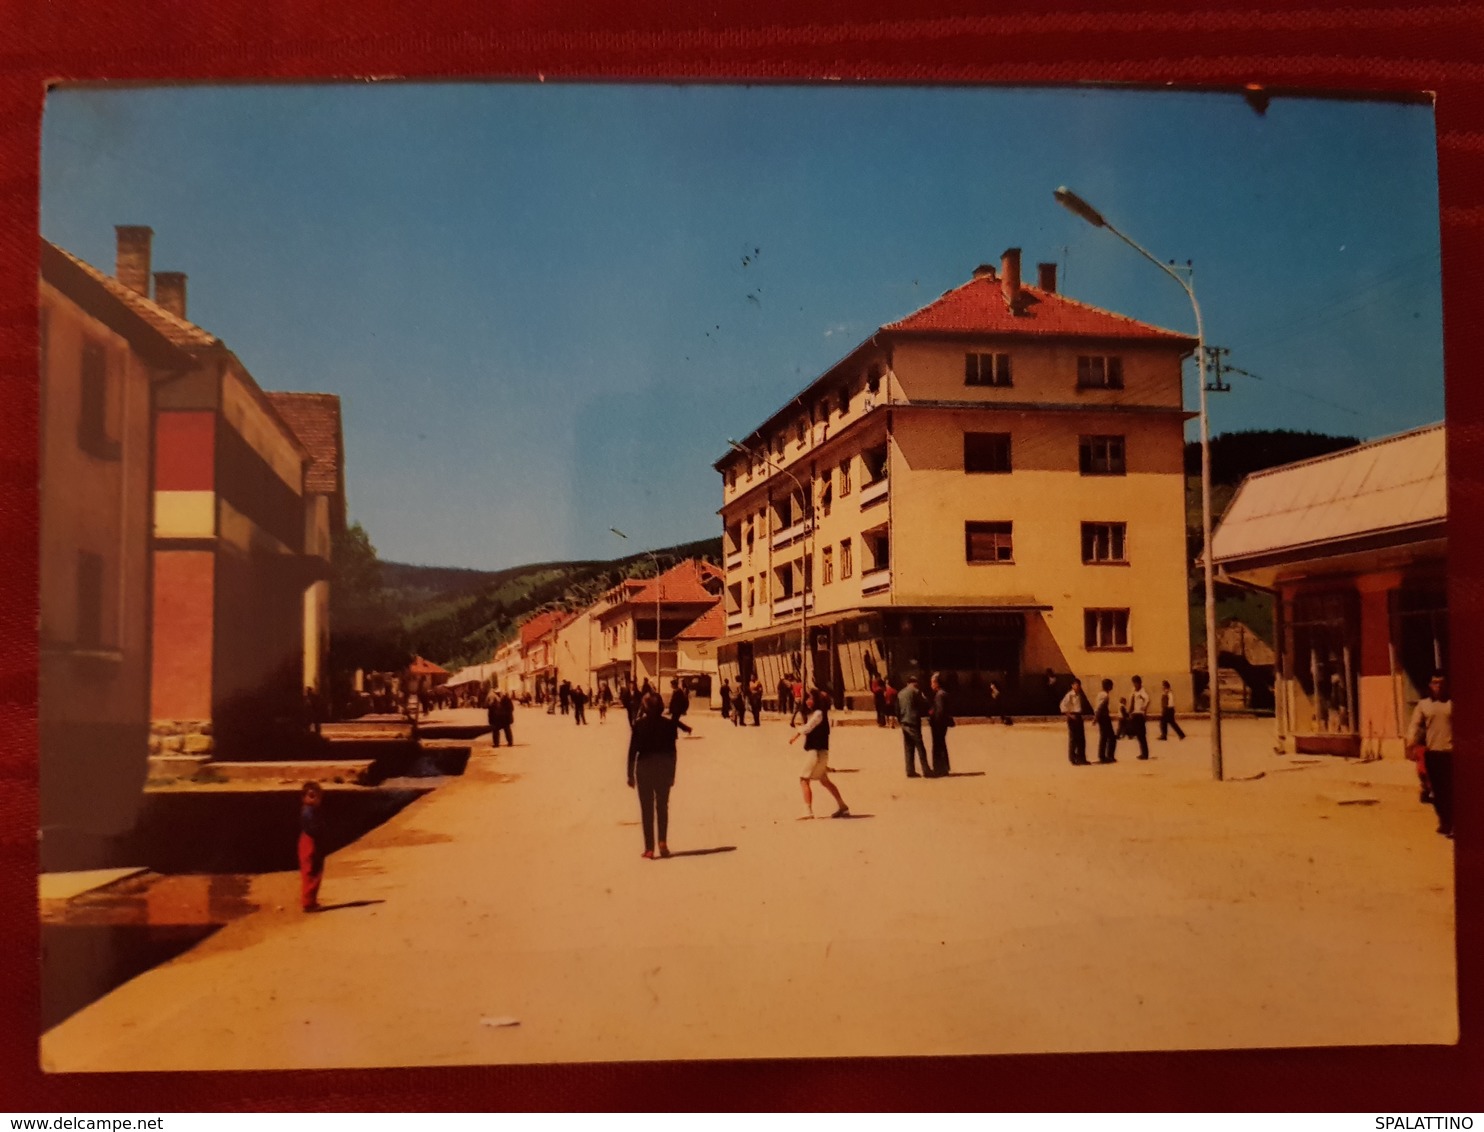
(311, 847)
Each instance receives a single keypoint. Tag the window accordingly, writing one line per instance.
(847, 561)
(845, 476)
(751, 595)
(989, 542)
(92, 421)
(826, 493)
(1104, 542)
(1105, 628)
(986, 369)
(827, 566)
(986, 451)
(762, 586)
(89, 600)
(1101, 456)
(1099, 371)
(844, 400)
(800, 429)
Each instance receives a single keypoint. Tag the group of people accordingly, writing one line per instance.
(1132, 723)
(736, 703)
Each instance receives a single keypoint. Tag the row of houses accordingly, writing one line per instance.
(643, 629)
(187, 518)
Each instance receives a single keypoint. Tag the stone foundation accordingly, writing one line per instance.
(181, 737)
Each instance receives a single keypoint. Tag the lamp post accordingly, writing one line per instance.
(1076, 205)
(808, 554)
(657, 647)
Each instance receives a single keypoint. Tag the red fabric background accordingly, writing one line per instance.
(1321, 46)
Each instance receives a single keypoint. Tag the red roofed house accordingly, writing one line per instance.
(538, 651)
(992, 486)
(635, 612)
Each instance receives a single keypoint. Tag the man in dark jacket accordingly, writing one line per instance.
(940, 719)
(679, 701)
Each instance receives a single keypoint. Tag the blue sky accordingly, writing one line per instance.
(546, 307)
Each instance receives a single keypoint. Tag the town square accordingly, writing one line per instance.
(570, 575)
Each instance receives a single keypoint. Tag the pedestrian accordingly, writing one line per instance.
(940, 719)
(1430, 738)
(1167, 712)
(912, 705)
(564, 695)
(999, 703)
(726, 699)
(1124, 730)
(1138, 717)
(651, 770)
(626, 701)
(785, 697)
(492, 710)
(312, 710)
(579, 703)
(1102, 713)
(816, 768)
(679, 701)
(1072, 705)
(605, 697)
(507, 718)
(878, 700)
(755, 701)
(1049, 693)
(311, 846)
(796, 700)
(889, 698)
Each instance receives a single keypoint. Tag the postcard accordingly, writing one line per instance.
(551, 573)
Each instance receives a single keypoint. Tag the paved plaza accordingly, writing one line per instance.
(1022, 905)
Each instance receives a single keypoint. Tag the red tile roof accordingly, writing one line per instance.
(537, 627)
(707, 627)
(682, 584)
(315, 420)
(422, 666)
(177, 330)
(979, 307)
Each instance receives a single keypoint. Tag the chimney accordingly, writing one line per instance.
(984, 271)
(1010, 278)
(132, 265)
(170, 291)
(1046, 277)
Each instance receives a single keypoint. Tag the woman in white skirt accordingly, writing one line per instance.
(816, 732)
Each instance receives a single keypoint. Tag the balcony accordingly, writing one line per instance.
(734, 560)
(734, 621)
(790, 606)
(875, 581)
(790, 534)
(874, 492)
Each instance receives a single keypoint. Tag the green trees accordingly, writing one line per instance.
(365, 631)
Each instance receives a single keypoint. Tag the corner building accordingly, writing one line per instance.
(990, 487)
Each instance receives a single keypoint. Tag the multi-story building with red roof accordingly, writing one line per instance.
(992, 486)
(640, 623)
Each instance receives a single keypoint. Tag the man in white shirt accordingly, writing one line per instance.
(1138, 717)
(1430, 737)
(1071, 707)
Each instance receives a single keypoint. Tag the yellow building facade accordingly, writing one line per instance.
(992, 487)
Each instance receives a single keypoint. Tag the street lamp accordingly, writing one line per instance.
(657, 685)
(1079, 207)
(808, 554)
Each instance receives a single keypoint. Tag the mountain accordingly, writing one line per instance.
(456, 616)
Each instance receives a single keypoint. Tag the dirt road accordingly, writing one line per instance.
(1022, 905)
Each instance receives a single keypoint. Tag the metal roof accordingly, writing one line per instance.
(1386, 485)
